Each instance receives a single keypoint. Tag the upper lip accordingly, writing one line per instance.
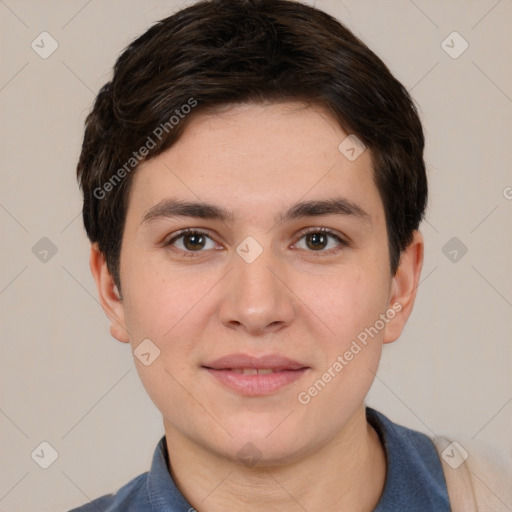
(274, 362)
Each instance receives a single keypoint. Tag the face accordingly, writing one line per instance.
(270, 311)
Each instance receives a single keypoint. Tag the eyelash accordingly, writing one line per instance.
(308, 231)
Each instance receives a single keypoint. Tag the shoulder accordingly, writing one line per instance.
(129, 498)
(474, 468)
(408, 447)
(414, 479)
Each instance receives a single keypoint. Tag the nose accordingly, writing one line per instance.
(257, 296)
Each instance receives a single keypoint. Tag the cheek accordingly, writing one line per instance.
(147, 307)
(353, 300)
(156, 300)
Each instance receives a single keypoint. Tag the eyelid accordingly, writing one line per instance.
(328, 231)
(187, 231)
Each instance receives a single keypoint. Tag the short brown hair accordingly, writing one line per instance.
(222, 52)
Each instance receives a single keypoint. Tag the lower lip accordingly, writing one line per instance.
(256, 385)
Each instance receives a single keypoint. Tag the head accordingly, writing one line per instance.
(245, 108)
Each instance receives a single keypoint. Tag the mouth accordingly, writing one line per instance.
(252, 371)
(255, 376)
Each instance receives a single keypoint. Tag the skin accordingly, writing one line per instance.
(305, 302)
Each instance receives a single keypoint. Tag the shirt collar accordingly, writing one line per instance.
(401, 446)
(162, 492)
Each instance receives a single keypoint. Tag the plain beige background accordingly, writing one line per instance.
(65, 381)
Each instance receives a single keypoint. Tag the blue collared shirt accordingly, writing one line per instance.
(414, 479)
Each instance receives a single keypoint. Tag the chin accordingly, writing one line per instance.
(264, 446)
(258, 454)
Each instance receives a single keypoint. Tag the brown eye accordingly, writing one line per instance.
(321, 240)
(194, 242)
(316, 241)
(191, 241)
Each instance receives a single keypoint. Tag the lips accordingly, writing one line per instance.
(255, 376)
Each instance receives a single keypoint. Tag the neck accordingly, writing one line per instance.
(345, 474)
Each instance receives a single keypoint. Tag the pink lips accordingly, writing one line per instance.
(255, 376)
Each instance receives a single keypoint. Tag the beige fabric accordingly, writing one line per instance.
(478, 480)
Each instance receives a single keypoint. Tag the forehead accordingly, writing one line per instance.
(259, 157)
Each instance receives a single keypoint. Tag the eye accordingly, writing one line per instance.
(320, 239)
(191, 241)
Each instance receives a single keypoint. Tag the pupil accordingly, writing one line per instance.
(317, 240)
(194, 241)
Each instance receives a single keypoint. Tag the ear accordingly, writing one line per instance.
(404, 287)
(109, 295)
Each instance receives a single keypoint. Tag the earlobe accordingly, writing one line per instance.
(110, 298)
(404, 287)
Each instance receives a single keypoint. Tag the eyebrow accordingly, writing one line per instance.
(169, 208)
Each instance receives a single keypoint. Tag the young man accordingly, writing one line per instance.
(253, 183)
